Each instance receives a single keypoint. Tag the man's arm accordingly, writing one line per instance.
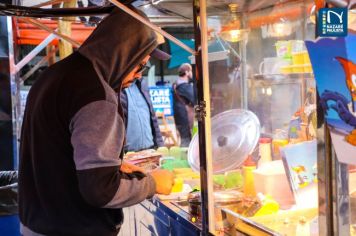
(97, 138)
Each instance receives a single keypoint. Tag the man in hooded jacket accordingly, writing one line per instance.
(72, 180)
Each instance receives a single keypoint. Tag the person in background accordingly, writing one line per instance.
(72, 179)
(142, 130)
(184, 102)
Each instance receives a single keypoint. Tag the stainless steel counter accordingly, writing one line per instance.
(161, 218)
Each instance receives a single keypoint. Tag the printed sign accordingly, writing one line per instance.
(334, 66)
(301, 168)
(162, 99)
(332, 22)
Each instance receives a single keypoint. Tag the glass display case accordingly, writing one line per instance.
(264, 152)
(273, 175)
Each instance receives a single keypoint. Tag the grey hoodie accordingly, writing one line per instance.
(70, 181)
(117, 45)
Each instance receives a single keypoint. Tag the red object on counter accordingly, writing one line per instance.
(249, 161)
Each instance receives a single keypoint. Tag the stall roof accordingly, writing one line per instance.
(178, 13)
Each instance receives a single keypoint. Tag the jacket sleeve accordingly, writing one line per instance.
(97, 134)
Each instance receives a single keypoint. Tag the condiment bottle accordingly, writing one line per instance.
(249, 185)
(264, 151)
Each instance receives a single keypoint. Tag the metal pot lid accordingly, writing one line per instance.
(235, 134)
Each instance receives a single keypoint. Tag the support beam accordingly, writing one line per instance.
(52, 59)
(52, 2)
(48, 29)
(41, 62)
(65, 27)
(34, 52)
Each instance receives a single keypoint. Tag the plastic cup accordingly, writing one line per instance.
(184, 153)
(163, 151)
(175, 152)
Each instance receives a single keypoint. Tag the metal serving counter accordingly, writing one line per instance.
(156, 217)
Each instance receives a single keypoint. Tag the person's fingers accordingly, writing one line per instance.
(124, 168)
(135, 168)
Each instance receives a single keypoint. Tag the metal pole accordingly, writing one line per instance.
(325, 176)
(40, 63)
(342, 198)
(243, 58)
(203, 115)
(7, 155)
(15, 93)
(34, 52)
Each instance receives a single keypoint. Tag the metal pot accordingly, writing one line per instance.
(225, 199)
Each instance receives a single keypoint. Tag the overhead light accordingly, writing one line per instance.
(232, 31)
(234, 35)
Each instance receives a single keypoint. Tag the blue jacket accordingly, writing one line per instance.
(156, 133)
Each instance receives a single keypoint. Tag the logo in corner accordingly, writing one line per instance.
(332, 22)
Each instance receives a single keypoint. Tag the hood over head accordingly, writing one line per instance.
(118, 45)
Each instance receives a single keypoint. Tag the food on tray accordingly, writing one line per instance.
(182, 170)
(188, 175)
(185, 173)
(147, 159)
(141, 154)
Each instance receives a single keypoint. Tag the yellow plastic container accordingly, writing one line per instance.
(298, 58)
(298, 69)
(178, 185)
(286, 69)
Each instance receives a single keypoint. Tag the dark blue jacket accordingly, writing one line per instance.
(156, 133)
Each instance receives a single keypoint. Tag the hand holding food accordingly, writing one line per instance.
(128, 168)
